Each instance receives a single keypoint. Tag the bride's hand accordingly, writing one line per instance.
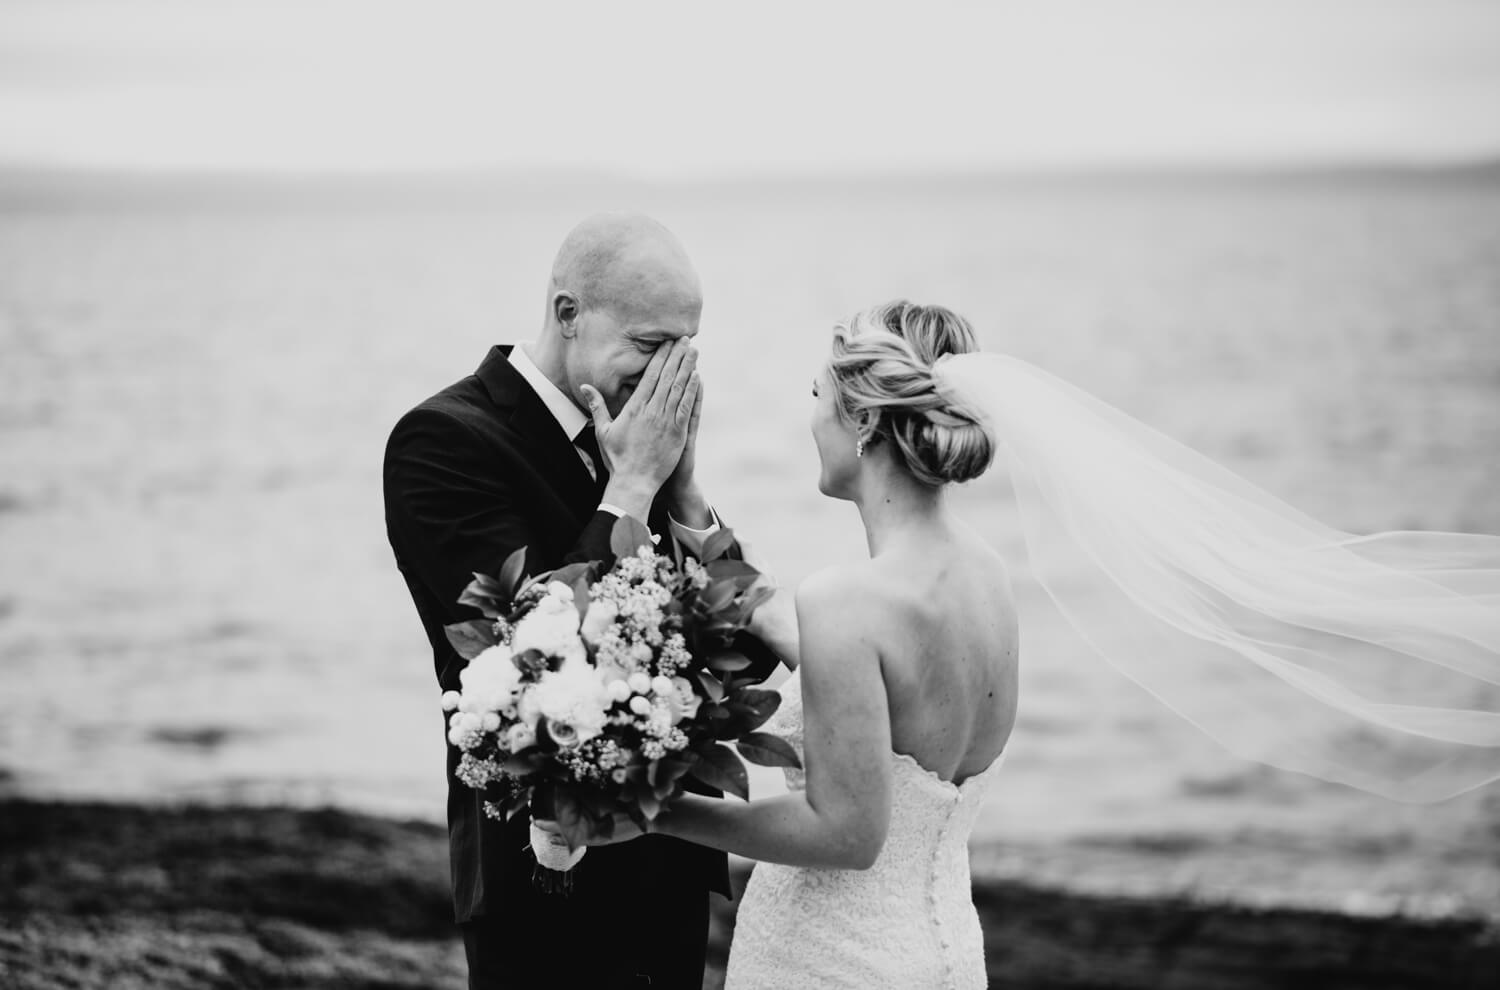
(624, 830)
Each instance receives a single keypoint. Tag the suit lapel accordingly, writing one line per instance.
(547, 447)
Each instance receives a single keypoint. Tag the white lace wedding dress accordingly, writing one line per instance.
(907, 922)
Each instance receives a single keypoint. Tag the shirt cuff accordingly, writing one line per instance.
(620, 513)
(692, 540)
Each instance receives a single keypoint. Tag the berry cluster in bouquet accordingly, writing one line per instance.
(594, 690)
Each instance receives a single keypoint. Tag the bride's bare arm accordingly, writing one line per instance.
(841, 819)
(775, 624)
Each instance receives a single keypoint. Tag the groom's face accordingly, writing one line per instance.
(613, 346)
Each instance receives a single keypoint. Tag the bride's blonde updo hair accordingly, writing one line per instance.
(881, 371)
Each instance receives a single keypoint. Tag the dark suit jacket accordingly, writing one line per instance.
(471, 474)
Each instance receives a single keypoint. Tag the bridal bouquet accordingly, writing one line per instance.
(591, 691)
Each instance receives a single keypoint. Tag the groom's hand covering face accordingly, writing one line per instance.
(613, 350)
(645, 441)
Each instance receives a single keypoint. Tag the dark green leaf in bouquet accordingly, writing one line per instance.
(717, 545)
(484, 593)
(528, 761)
(767, 750)
(603, 827)
(735, 613)
(511, 573)
(753, 598)
(713, 689)
(759, 594)
(750, 707)
(716, 597)
(732, 570)
(569, 573)
(628, 536)
(471, 638)
(710, 637)
(541, 802)
(525, 587)
(581, 596)
(718, 628)
(571, 817)
(728, 660)
(601, 811)
(718, 766)
(664, 774)
(649, 804)
(633, 810)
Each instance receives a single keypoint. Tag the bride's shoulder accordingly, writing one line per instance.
(847, 594)
(838, 621)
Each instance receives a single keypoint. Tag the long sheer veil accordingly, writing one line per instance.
(1373, 661)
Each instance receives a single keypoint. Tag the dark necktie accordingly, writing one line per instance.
(588, 442)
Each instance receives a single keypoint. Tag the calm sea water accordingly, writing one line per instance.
(196, 596)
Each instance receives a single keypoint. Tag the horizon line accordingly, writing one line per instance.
(1368, 166)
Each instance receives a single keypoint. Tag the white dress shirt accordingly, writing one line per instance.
(573, 420)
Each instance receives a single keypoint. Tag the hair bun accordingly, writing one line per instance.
(882, 369)
(949, 448)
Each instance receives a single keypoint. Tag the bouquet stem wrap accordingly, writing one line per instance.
(554, 860)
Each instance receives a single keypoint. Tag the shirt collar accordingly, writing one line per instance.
(568, 416)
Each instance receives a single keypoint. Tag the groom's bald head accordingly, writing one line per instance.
(626, 263)
(621, 287)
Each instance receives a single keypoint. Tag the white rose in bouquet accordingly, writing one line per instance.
(527, 709)
(490, 681)
(519, 737)
(551, 627)
(684, 700)
(572, 696)
(602, 615)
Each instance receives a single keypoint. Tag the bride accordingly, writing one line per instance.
(1371, 661)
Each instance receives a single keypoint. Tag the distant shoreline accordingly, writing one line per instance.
(22, 187)
(133, 895)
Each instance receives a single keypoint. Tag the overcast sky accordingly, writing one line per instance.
(705, 88)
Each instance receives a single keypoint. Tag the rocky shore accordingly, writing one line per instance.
(129, 896)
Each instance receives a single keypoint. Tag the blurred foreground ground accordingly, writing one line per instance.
(128, 896)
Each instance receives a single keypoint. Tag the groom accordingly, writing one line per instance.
(508, 458)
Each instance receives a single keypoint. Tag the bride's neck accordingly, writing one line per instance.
(897, 509)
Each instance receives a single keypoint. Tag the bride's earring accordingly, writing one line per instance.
(859, 447)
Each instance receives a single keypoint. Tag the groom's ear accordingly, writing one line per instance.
(565, 310)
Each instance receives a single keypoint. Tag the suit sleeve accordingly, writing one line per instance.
(454, 512)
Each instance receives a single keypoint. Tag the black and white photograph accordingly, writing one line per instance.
(785, 496)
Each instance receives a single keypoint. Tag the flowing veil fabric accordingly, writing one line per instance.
(1372, 661)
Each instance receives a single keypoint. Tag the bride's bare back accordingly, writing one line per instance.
(947, 624)
(940, 620)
